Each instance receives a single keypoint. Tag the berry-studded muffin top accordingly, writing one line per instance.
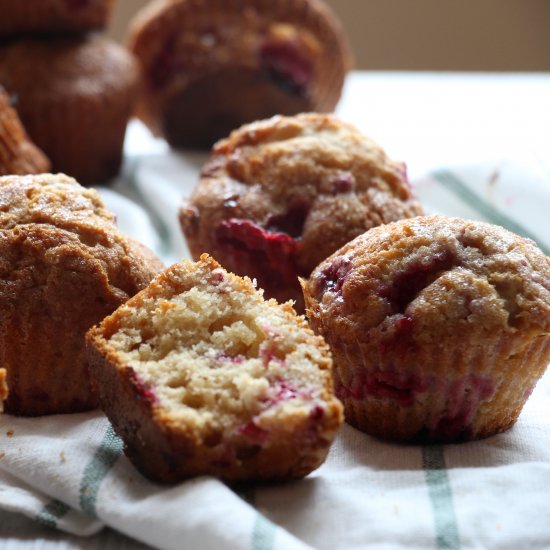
(289, 191)
(434, 277)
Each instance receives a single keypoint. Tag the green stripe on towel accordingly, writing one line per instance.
(454, 184)
(51, 513)
(439, 488)
(263, 533)
(94, 473)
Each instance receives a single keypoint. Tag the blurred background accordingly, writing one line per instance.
(432, 35)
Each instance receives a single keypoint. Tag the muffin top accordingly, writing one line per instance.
(67, 66)
(434, 277)
(310, 177)
(49, 223)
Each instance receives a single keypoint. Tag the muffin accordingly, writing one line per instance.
(200, 375)
(439, 327)
(212, 65)
(74, 97)
(64, 266)
(52, 16)
(18, 155)
(280, 195)
(3, 389)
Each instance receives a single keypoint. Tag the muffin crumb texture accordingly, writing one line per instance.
(200, 375)
(439, 327)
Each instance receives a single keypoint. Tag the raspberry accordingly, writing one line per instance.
(464, 397)
(291, 222)
(77, 4)
(253, 432)
(166, 64)
(415, 277)
(142, 390)
(386, 384)
(343, 183)
(287, 65)
(333, 277)
(268, 257)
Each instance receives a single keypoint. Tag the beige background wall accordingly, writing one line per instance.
(468, 35)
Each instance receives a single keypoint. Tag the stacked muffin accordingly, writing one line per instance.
(73, 91)
(210, 66)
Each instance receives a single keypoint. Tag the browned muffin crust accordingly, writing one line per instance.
(21, 17)
(200, 375)
(280, 195)
(64, 266)
(439, 327)
(212, 65)
(18, 154)
(74, 97)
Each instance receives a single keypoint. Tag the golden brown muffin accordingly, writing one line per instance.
(439, 327)
(64, 266)
(18, 154)
(200, 375)
(74, 97)
(280, 195)
(3, 389)
(52, 16)
(211, 65)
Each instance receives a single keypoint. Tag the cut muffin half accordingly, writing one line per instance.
(200, 375)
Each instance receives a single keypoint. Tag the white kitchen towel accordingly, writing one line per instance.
(69, 471)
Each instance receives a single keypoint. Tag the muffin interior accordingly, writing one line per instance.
(206, 347)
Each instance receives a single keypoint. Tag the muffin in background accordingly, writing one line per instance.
(200, 375)
(20, 17)
(74, 96)
(211, 65)
(439, 327)
(64, 266)
(18, 154)
(280, 195)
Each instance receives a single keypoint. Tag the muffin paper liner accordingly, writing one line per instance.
(474, 390)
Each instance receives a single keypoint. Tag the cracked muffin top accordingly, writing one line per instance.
(286, 192)
(448, 276)
(56, 206)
